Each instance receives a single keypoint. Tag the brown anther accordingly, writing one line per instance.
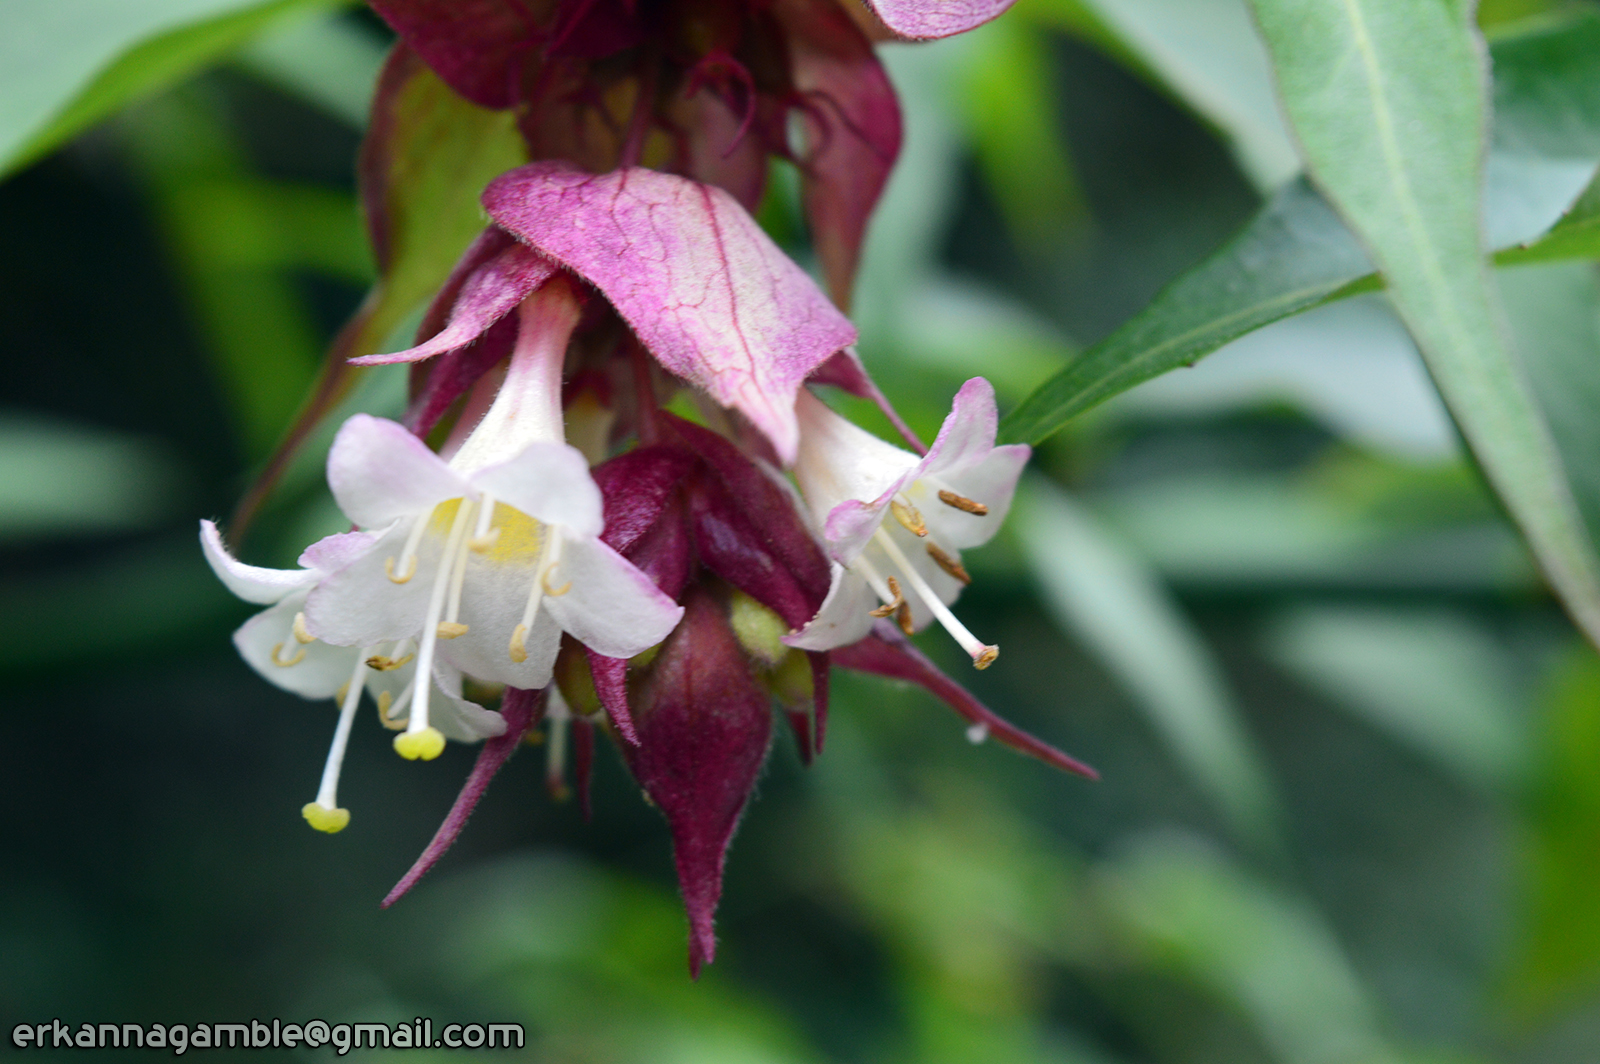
(889, 607)
(948, 564)
(909, 517)
(985, 657)
(961, 502)
(902, 617)
(451, 629)
(386, 664)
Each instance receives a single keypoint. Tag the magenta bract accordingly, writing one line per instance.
(709, 294)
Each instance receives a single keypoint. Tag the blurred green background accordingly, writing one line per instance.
(1350, 810)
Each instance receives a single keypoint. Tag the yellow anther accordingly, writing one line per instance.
(386, 664)
(985, 657)
(961, 502)
(485, 541)
(338, 697)
(279, 659)
(423, 745)
(519, 639)
(324, 819)
(553, 592)
(299, 629)
(400, 578)
(890, 607)
(451, 629)
(909, 517)
(948, 563)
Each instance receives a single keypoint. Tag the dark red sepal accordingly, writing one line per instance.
(887, 652)
(704, 728)
(522, 710)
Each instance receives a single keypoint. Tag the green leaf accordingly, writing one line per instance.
(1294, 254)
(67, 64)
(1388, 102)
(1297, 252)
(1110, 600)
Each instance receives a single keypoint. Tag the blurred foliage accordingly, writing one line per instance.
(1350, 813)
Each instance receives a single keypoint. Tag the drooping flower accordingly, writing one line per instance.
(909, 568)
(486, 557)
(278, 645)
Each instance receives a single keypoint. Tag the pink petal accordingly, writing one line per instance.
(379, 472)
(709, 294)
(852, 122)
(886, 652)
(331, 553)
(967, 435)
(250, 582)
(929, 19)
(704, 727)
(521, 710)
(489, 293)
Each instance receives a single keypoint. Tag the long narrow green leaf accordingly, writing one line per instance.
(1297, 253)
(1389, 103)
(1116, 605)
(67, 64)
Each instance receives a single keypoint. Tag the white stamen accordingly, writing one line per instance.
(408, 555)
(458, 578)
(430, 626)
(483, 536)
(549, 555)
(328, 793)
(983, 654)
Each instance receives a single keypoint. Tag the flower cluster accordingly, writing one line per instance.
(568, 545)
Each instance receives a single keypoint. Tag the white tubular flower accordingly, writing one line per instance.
(910, 567)
(278, 645)
(487, 558)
